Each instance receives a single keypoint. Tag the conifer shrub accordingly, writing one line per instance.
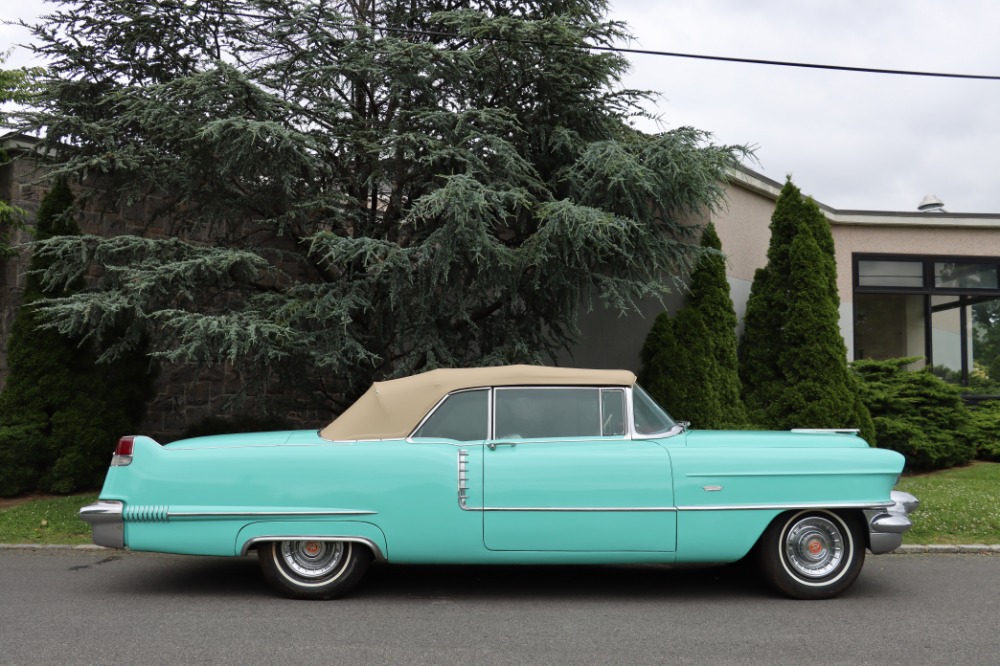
(917, 414)
(60, 411)
(984, 421)
(689, 361)
(675, 384)
(792, 357)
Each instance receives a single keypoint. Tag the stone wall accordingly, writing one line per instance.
(183, 395)
(19, 188)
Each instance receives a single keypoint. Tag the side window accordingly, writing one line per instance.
(462, 417)
(532, 413)
(612, 412)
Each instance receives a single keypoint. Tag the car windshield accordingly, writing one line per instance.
(650, 418)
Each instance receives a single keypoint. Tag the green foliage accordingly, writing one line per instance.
(11, 219)
(689, 361)
(17, 86)
(917, 414)
(984, 423)
(224, 425)
(59, 412)
(986, 328)
(793, 360)
(385, 187)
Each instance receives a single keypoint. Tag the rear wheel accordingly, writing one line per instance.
(812, 554)
(313, 569)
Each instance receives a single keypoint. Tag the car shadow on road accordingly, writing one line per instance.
(241, 578)
(577, 582)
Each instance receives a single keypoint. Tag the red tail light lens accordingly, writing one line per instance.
(123, 452)
(125, 445)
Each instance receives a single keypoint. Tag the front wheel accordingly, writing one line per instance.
(812, 554)
(313, 569)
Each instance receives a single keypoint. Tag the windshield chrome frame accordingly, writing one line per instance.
(630, 430)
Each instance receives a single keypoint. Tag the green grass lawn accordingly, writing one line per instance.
(957, 506)
(49, 520)
(960, 505)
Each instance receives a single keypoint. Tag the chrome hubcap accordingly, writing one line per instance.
(814, 547)
(312, 559)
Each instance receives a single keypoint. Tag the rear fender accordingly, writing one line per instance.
(324, 530)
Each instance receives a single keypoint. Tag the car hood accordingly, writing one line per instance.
(773, 439)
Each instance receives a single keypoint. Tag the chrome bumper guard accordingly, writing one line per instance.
(887, 525)
(105, 517)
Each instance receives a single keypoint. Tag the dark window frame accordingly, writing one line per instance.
(928, 261)
(967, 296)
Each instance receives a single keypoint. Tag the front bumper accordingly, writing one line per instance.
(886, 526)
(105, 517)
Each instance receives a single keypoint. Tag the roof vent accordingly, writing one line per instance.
(931, 204)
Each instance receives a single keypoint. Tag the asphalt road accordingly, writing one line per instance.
(105, 607)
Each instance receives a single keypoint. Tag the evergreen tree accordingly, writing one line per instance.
(60, 414)
(793, 360)
(689, 361)
(385, 187)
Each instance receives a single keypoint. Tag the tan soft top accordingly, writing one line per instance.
(392, 409)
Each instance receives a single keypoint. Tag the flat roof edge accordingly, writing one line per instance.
(748, 179)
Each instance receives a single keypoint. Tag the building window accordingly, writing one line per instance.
(961, 275)
(945, 310)
(875, 273)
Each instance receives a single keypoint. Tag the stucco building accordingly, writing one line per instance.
(911, 283)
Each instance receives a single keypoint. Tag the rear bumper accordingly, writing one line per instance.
(105, 517)
(887, 526)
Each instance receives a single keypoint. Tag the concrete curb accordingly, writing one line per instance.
(939, 549)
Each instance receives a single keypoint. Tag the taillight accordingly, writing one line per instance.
(123, 452)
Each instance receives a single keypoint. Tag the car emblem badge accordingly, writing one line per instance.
(711, 489)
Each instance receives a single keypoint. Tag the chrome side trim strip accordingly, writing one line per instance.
(720, 507)
(376, 551)
(763, 475)
(576, 509)
(251, 514)
(786, 507)
(829, 431)
(140, 513)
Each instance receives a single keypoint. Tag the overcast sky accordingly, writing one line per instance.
(853, 141)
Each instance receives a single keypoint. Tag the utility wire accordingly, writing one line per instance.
(781, 63)
(670, 54)
(663, 54)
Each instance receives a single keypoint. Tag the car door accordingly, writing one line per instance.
(562, 474)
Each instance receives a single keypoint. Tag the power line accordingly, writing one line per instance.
(782, 63)
(670, 54)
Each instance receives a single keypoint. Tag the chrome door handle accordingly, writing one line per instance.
(493, 445)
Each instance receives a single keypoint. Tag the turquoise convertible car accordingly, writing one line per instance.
(516, 464)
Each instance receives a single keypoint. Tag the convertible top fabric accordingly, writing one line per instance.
(392, 409)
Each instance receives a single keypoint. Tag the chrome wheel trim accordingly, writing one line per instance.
(312, 561)
(815, 547)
